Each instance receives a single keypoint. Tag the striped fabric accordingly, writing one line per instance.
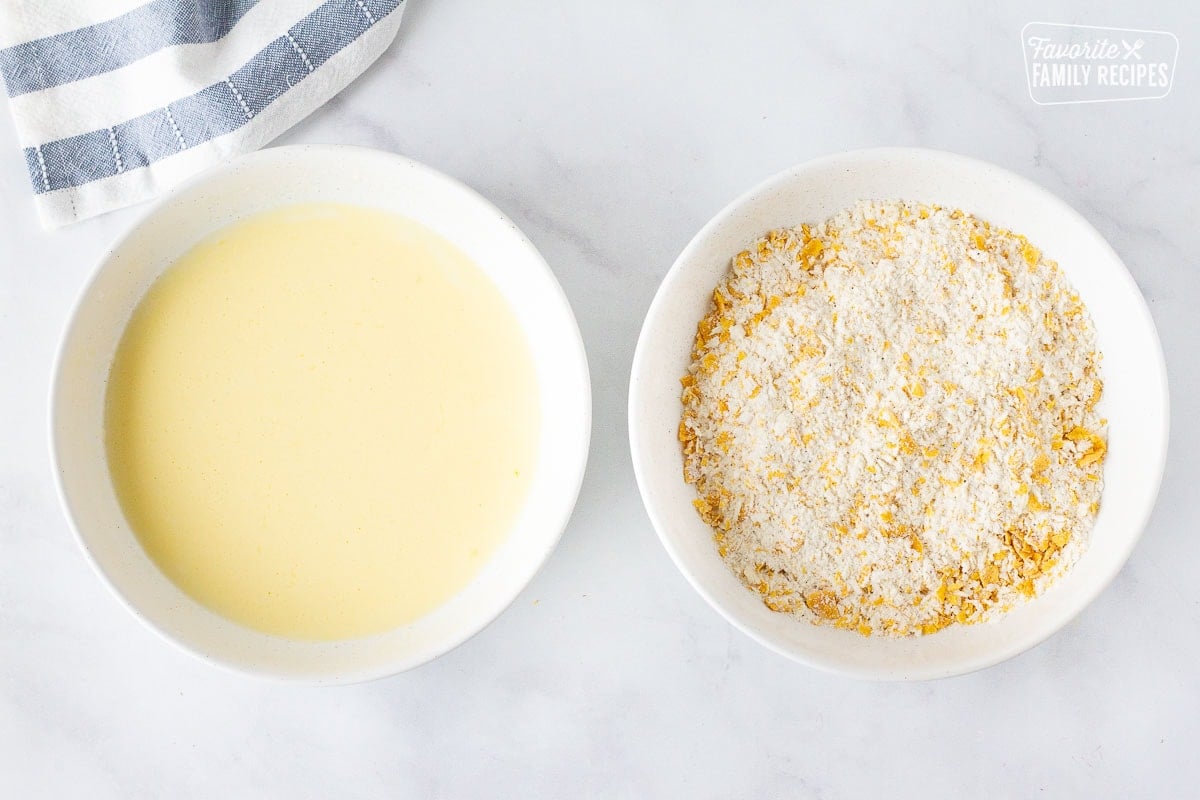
(112, 112)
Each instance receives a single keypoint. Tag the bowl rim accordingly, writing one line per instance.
(638, 450)
(559, 523)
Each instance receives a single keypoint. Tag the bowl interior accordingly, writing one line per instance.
(265, 180)
(1134, 401)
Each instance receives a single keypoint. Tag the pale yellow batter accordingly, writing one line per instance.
(322, 421)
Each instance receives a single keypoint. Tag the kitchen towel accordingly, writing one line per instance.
(116, 100)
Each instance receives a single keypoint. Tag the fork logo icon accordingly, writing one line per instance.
(1132, 49)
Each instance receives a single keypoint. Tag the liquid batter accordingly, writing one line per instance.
(322, 421)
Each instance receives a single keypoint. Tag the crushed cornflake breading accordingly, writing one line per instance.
(890, 420)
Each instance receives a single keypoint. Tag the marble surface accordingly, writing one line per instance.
(610, 132)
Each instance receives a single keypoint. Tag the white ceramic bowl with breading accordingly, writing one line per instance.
(249, 185)
(1135, 401)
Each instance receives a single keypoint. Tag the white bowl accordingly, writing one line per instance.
(265, 180)
(1134, 401)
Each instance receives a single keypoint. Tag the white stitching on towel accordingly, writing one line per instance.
(299, 50)
(241, 100)
(365, 10)
(174, 127)
(112, 139)
(42, 164)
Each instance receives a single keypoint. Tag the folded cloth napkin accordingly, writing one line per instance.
(115, 100)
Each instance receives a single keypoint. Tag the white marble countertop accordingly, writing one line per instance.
(610, 133)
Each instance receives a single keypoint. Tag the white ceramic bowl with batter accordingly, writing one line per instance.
(1135, 401)
(256, 183)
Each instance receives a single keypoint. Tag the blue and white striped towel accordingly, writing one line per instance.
(115, 100)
